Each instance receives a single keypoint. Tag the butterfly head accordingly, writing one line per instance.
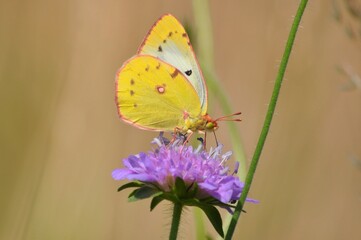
(210, 124)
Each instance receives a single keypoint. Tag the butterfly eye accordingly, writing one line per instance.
(188, 72)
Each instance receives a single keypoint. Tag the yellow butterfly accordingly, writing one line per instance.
(162, 87)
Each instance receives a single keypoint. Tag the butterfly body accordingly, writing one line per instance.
(201, 123)
(162, 87)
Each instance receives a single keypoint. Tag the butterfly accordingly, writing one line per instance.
(162, 88)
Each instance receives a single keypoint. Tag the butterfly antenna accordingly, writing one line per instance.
(228, 117)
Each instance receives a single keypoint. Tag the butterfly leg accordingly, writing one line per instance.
(205, 141)
(215, 138)
(176, 133)
(186, 140)
(188, 137)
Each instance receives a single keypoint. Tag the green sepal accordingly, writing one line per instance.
(180, 188)
(155, 201)
(171, 197)
(192, 190)
(216, 202)
(143, 193)
(130, 185)
(211, 212)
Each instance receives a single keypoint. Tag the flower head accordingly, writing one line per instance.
(203, 173)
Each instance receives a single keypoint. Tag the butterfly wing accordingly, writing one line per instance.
(168, 41)
(154, 95)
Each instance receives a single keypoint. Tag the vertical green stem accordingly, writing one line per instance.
(268, 118)
(177, 211)
(205, 55)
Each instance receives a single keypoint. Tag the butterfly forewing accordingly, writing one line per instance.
(168, 41)
(154, 95)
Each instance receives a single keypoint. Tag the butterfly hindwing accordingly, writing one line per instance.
(154, 95)
(168, 41)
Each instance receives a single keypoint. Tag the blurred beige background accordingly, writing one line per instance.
(61, 137)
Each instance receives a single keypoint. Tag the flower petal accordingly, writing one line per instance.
(207, 170)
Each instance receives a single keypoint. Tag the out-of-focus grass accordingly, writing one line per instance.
(33, 63)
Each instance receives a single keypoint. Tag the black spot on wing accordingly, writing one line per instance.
(188, 72)
(160, 49)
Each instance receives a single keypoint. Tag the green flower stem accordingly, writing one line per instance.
(236, 141)
(205, 55)
(177, 211)
(268, 118)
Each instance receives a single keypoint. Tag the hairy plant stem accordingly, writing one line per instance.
(177, 212)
